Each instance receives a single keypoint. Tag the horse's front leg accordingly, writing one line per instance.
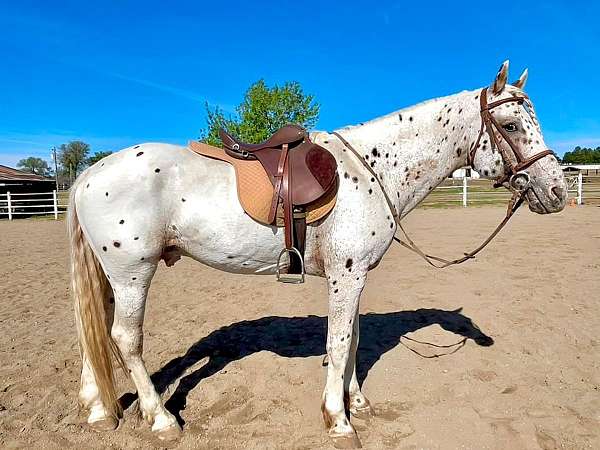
(358, 404)
(345, 284)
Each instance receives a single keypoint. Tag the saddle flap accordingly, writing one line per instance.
(314, 171)
(322, 165)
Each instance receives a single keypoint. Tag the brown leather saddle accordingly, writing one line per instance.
(302, 174)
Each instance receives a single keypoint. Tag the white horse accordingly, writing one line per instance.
(158, 201)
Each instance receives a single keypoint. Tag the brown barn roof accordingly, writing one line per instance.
(8, 173)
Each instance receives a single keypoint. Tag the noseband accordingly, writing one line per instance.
(513, 173)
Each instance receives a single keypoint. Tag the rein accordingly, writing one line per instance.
(514, 174)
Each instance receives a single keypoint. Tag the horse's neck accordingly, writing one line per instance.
(415, 149)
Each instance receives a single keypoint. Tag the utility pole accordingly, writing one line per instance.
(55, 167)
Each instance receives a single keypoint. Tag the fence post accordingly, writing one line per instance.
(54, 198)
(464, 192)
(580, 189)
(9, 206)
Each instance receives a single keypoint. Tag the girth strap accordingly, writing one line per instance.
(299, 241)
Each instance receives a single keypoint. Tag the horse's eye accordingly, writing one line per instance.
(510, 127)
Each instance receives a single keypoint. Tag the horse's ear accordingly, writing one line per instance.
(520, 83)
(501, 78)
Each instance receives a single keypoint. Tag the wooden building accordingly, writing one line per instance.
(30, 194)
(584, 169)
(18, 182)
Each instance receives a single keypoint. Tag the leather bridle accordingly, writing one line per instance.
(488, 122)
(516, 176)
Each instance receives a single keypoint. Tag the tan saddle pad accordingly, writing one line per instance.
(255, 190)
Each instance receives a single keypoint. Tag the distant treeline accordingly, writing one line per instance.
(582, 155)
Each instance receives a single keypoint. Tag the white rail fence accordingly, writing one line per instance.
(468, 192)
(30, 204)
(472, 192)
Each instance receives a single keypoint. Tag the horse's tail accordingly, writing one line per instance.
(91, 291)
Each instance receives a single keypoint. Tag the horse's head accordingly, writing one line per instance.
(510, 148)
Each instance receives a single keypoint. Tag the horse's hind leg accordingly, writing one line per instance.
(130, 300)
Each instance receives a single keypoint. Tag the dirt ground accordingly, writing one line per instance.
(500, 353)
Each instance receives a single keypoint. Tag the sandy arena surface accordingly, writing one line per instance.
(240, 357)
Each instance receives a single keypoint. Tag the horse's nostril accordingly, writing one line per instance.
(558, 192)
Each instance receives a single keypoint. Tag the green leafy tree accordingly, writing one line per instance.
(97, 157)
(34, 165)
(72, 157)
(583, 155)
(263, 111)
(216, 119)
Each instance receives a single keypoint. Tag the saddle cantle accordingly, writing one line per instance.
(285, 177)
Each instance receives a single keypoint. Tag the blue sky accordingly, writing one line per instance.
(118, 73)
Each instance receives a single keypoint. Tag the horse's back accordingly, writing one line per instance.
(160, 195)
(142, 189)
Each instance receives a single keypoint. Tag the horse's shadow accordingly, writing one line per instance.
(299, 337)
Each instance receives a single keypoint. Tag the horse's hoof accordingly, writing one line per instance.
(105, 424)
(364, 411)
(171, 433)
(346, 441)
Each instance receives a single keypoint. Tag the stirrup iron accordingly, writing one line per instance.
(293, 278)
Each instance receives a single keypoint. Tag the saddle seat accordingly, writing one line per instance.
(287, 177)
(285, 135)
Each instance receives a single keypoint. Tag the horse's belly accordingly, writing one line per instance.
(215, 230)
(233, 243)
